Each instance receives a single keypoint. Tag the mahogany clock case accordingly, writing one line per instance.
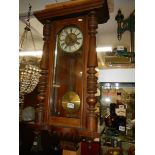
(68, 72)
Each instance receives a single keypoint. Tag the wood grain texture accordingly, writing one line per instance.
(42, 107)
(65, 9)
(91, 78)
(64, 121)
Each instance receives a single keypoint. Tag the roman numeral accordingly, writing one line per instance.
(77, 43)
(62, 43)
(79, 38)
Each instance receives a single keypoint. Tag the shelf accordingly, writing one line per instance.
(120, 95)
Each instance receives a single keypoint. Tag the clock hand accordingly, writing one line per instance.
(66, 32)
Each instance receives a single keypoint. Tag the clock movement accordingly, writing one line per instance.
(68, 82)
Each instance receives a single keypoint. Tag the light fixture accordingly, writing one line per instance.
(29, 74)
(31, 53)
(104, 49)
(117, 85)
(107, 99)
(107, 86)
(28, 80)
(127, 24)
(27, 34)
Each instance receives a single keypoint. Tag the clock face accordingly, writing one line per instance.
(70, 39)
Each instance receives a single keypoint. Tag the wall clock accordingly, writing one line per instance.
(67, 87)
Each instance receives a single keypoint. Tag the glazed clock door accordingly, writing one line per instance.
(66, 93)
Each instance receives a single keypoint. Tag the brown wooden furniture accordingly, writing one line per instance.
(64, 72)
(90, 148)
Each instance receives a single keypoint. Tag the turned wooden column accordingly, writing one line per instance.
(91, 78)
(41, 110)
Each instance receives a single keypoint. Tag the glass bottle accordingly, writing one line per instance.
(111, 119)
(113, 116)
(121, 114)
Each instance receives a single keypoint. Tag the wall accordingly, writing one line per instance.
(117, 75)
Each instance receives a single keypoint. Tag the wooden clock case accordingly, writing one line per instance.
(54, 17)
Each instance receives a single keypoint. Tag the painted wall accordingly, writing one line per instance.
(117, 75)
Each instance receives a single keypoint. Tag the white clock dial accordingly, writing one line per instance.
(70, 39)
